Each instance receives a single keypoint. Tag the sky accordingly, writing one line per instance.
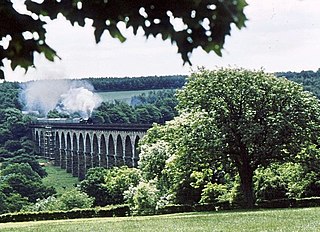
(280, 35)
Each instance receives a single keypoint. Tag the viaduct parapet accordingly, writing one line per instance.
(77, 147)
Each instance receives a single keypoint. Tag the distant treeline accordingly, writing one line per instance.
(309, 79)
(137, 83)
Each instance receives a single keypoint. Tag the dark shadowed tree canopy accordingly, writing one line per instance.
(205, 23)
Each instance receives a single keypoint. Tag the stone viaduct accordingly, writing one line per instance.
(77, 147)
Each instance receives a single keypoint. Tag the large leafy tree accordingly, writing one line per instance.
(232, 121)
(260, 118)
(205, 23)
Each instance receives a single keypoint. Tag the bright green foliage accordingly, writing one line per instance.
(174, 163)
(234, 121)
(212, 192)
(143, 198)
(309, 157)
(48, 204)
(107, 186)
(260, 118)
(156, 106)
(93, 186)
(74, 199)
(280, 181)
(153, 159)
(119, 180)
(206, 23)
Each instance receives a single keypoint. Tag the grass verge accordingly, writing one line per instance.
(306, 219)
(59, 178)
(124, 96)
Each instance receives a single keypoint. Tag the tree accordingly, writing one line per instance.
(232, 122)
(107, 186)
(205, 24)
(93, 185)
(18, 180)
(119, 180)
(260, 118)
(26, 159)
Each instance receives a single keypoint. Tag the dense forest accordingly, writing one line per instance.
(309, 79)
(145, 109)
(137, 83)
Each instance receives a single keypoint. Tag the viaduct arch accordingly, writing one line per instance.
(77, 147)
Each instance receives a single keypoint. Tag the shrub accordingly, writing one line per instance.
(48, 204)
(108, 186)
(74, 199)
(280, 181)
(143, 198)
(213, 193)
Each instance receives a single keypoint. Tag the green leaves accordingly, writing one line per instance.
(260, 119)
(188, 24)
(24, 34)
(256, 111)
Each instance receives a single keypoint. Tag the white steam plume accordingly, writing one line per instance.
(79, 100)
(63, 95)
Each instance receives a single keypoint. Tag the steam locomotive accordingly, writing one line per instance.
(64, 120)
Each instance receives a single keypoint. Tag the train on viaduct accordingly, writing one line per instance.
(77, 146)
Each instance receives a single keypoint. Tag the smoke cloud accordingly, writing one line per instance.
(65, 96)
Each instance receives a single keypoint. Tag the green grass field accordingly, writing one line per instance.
(59, 178)
(122, 95)
(306, 219)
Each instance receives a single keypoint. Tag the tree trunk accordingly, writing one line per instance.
(246, 177)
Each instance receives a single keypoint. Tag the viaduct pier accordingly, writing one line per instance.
(77, 147)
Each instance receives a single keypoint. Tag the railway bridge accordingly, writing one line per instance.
(77, 147)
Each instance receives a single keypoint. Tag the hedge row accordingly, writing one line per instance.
(291, 203)
(277, 203)
(193, 208)
(111, 211)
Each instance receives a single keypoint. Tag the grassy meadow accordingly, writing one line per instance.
(305, 219)
(58, 178)
(122, 95)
